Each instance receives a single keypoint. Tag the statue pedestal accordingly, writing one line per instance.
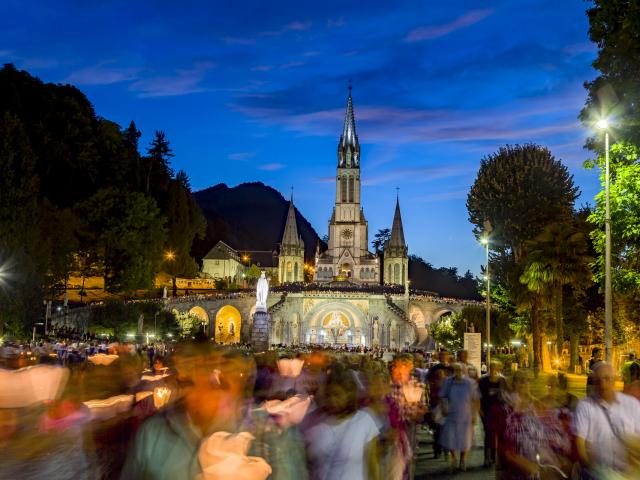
(260, 331)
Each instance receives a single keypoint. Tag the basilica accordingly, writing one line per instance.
(347, 257)
(355, 298)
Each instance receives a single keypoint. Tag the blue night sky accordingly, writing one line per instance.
(256, 90)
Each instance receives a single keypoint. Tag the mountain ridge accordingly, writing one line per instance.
(249, 216)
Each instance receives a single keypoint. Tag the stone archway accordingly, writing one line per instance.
(228, 324)
(441, 312)
(334, 322)
(417, 316)
(199, 312)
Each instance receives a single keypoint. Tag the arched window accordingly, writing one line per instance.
(404, 278)
(396, 274)
(351, 189)
(343, 189)
(295, 272)
(390, 276)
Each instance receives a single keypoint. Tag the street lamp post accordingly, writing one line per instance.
(485, 242)
(608, 307)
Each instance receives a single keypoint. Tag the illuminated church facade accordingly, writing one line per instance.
(347, 257)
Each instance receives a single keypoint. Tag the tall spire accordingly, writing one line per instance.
(290, 236)
(397, 232)
(349, 146)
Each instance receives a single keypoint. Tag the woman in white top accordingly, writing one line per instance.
(341, 442)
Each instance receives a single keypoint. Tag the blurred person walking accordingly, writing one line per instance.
(213, 386)
(436, 376)
(606, 423)
(404, 413)
(460, 399)
(342, 443)
(522, 438)
(596, 357)
(492, 387)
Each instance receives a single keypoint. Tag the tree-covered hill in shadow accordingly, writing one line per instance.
(250, 216)
(444, 281)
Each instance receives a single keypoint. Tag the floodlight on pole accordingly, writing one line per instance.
(603, 124)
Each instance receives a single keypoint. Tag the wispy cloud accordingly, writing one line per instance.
(442, 196)
(336, 22)
(295, 26)
(241, 155)
(435, 31)
(419, 174)
(182, 82)
(5, 53)
(292, 64)
(271, 166)
(326, 180)
(529, 119)
(238, 41)
(262, 68)
(102, 75)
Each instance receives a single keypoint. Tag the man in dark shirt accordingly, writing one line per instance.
(491, 387)
(596, 357)
(435, 377)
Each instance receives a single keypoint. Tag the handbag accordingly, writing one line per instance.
(441, 410)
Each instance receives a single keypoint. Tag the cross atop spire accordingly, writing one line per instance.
(349, 146)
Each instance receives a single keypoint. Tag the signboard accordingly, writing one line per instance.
(473, 345)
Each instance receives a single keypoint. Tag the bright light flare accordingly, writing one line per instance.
(602, 124)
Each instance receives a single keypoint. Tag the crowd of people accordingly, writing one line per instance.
(196, 410)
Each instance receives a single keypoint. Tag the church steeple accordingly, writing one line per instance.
(349, 146)
(291, 258)
(290, 236)
(397, 232)
(396, 260)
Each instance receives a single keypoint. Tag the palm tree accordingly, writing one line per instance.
(530, 294)
(557, 257)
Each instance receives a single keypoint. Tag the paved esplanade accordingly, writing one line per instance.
(428, 467)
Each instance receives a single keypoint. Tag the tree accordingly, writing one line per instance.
(557, 257)
(127, 231)
(520, 189)
(21, 257)
(614, 27)
(379, 239)
(159, 154)
(446, 331)
(130, 137)
(501, 333)
(625, 220)
(185, 223)
(253, 273)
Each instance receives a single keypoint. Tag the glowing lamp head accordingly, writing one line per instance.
(602, 124)
(484, 241)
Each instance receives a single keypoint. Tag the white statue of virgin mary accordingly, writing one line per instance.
(262, 291)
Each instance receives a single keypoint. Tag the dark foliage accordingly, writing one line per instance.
(250, 216)
(444, 281)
